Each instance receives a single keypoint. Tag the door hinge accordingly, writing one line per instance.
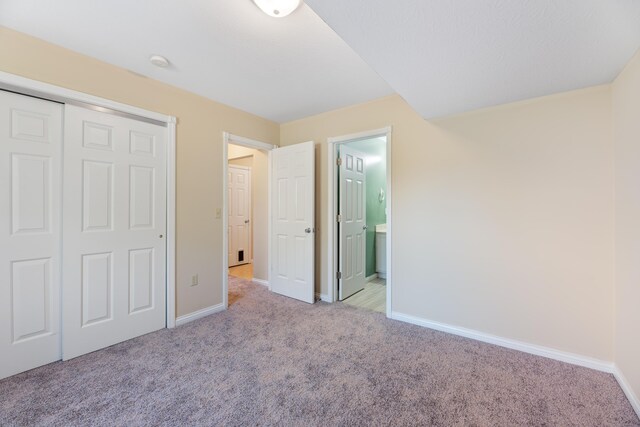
(338, 275)
(339, 161)
(338, 218)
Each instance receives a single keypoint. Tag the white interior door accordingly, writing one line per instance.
(239, 181)
(353, 223)
(30, 155)
(292, 239)
(114, 249)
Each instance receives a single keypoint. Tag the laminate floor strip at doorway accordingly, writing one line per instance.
(271, 360)
(372, 297)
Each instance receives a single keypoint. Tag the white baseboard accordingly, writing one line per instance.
(563, 356)
(628, 391)
(261, 282)
(323, 297)
(199, 314)
(374, 276)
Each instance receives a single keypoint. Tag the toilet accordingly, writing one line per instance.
(381, 250)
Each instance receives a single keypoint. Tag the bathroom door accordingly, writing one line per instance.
(352, 221)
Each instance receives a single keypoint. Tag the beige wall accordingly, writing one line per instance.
(502, 219)
(259, 204)
(246, 161)
(626, 119)
(199, 148)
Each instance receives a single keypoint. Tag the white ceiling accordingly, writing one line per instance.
(226, 50)
(449, 56)
(443, 56)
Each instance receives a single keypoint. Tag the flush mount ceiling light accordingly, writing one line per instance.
(277, 8)
(159, 61)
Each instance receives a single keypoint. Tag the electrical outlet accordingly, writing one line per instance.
(194, 280)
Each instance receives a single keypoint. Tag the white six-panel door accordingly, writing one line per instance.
(292, 216)
(30, 150)
(239, 202)
(353, 221)
(114, 224)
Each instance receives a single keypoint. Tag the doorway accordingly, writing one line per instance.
(246, 212)
(360, 218)
(283, 217)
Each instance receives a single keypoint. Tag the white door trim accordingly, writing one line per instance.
(28, 86)
(229, 138)
(332, 257)
(171, 222)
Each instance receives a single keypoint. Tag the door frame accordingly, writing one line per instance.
(332, 209)
(29, 87)
(229, 138)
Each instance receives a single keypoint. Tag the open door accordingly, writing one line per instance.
(353, 223)
(293, 229)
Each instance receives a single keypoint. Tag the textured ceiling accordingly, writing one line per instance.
(443, 56)
(226, 50)
(450, 56)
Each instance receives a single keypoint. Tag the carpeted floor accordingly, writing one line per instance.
(270, 360)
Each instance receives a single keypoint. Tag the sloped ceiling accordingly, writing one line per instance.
(226, 50)
(450, 56)
(443, 56)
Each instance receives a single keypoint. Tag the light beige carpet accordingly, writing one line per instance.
(270, 360)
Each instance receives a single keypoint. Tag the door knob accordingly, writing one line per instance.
(364, 227)
(160, 236)
(307, 230)
(246, 221)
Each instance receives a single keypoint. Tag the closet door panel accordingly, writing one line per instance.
(30, 203)
(114, 225)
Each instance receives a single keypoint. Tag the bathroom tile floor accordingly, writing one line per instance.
(372, 297)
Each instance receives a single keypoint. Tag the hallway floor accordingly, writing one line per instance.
(244, 271)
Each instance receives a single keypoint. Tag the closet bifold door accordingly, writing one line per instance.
(114, 225)
(30, 181)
